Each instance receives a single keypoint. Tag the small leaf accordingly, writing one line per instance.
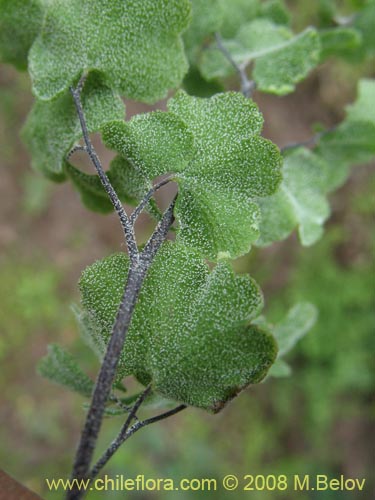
(280, 369)
(89, 332)
(300, 200)
(136, 45)
(351, 143)
(299, 320)
(281, 59)
(363, 109)
(190, 338)
(59, 366)
(279, 71)
(20, 22)
(338, 42)
(53, 127)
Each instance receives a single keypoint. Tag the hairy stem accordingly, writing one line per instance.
(127, 431)
(124, 219)
(139, 265)
(137, 211)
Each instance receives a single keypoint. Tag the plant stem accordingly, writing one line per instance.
(127, 431)
(137, 211)
(247, 86)
(139, 265)
(124, 219)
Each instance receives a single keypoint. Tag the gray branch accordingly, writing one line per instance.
(124, 219)
(247, 86)
(139, 265)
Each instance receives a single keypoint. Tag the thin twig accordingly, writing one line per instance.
(124, 219)
(107, 371)
(126, 433)
(116, 443)
(137, 211)
(247, 86)
(74, 149)
(120, 404)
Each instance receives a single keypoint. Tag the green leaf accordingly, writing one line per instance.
(235, 13)
(206, 19)
(338, 42)
(280, 369)
(364, 107)
(297, 323)
(350, 143)
(53, 127)
(300, 200)
(212, 149)
(275, 11)
(195, 84)
(279, 71)
(20, 22)
(155, 143)
(365, 22)
(59, 366)
(281, 59)
(191, 337)
(129, 184)
(89, 332)
(135, 45)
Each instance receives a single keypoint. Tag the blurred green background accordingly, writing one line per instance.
(318, 421)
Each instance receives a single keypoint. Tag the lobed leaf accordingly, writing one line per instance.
(300, 200)
(299, 320)
(190, 338)
(53, 127)
(351, 143)
(281, 59)
(207, 18)
(135, 45)
(212, 149)
(20, 23)
(155, 143)
(296, 324)
(59, 366)
(363, 109)
(338, 42)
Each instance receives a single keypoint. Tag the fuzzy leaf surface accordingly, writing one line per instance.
(212, 149)
(129, 184)
(20, 22)
(363, 109)
(300, 201)
(53, 127)
(281, 59)
(59, 366)
(192, 337)
(136, 45)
